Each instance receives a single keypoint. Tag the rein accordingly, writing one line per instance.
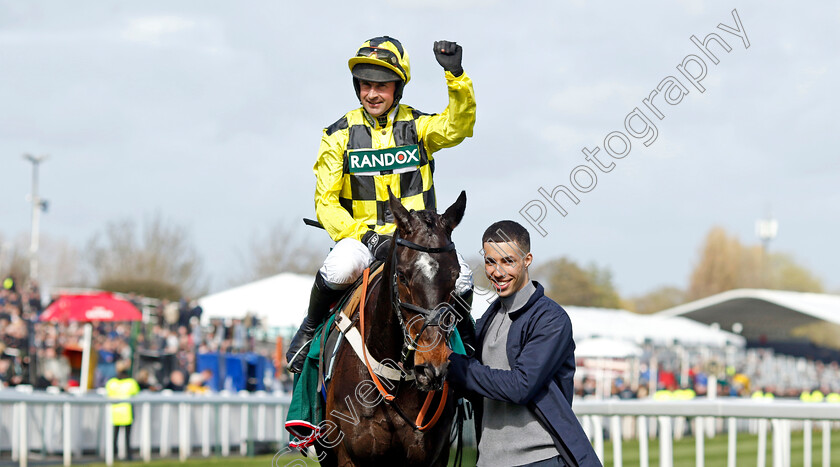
(417, 424)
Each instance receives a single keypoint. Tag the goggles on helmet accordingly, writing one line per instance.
(381, 54)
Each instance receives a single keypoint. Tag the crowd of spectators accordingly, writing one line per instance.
(752, 372)
(163, 347)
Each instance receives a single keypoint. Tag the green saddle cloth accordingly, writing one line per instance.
(307, 404)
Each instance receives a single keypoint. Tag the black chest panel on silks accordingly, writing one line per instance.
(403, 166)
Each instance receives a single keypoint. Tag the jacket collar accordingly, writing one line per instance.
(534, 297)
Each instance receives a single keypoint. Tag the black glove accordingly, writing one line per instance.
(377, 244)
(448, 54)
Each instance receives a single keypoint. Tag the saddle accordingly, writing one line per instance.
(344, 329)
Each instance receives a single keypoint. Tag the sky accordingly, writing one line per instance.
(210, 114)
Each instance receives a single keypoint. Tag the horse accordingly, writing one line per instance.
(376, 421)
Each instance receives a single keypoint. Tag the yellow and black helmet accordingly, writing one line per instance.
(381, 60)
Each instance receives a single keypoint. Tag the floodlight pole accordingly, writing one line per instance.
(37, 206)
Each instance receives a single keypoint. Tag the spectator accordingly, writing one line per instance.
(122, 386)
(146, 381)
(176, 381)
(197, 384)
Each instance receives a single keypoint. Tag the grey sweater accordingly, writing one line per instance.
(510, 434)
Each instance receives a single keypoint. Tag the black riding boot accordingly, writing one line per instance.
(320, 299)
(465, 325)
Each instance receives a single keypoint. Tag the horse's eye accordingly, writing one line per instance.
(402, 278)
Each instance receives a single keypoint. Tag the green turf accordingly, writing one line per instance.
(715, 449)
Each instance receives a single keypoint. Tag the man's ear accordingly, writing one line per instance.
(526, 261)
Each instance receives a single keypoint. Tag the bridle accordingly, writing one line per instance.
(431, 317)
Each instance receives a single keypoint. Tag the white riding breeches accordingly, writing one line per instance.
(349, 258)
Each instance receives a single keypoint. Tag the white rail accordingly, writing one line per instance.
(68, 425)
(37, 422)
(671, 418)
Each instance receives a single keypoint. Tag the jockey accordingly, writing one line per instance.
(383, 144)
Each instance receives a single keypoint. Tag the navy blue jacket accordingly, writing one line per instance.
(540, 351)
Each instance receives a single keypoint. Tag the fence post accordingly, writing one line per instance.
(183, 431)
(15, 432)
(109, 436)
(699, 442)
(666, 449)
(278, 423)
(24, 432)
(762, 443)
(164, 429)
(244, 430)
(205, 430)
(67, 434)
(615, 436)
(806, 441)
(786, 425)
(598, 429)
(224, 439)
(826, 448)
(732, 434)
(778, 456)
(644, 458)
(146, 434)
(261, 418)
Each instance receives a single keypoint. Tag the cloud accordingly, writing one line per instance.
(153, 29)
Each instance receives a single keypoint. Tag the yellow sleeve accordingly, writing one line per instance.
(456, 122)
(329, 178)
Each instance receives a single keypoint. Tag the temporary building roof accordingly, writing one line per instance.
(281, 301)
(770, 314)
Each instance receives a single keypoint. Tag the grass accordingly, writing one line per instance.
(715, 450)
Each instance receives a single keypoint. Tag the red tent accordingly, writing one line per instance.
(101, 306)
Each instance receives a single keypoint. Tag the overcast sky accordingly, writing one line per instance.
(211, 113)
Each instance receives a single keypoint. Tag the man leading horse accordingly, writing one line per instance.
(381, 145)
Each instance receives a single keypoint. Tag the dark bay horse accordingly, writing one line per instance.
(404, 322)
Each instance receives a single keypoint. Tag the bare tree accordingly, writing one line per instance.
(14, 257)
(157, 260)
(567, 283)
(282, 249)
(726, 264)
(658, 299)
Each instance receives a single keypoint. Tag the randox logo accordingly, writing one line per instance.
(373, 160)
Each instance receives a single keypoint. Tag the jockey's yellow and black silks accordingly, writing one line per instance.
(351, 192)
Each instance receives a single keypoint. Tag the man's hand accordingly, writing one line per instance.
(448, 54)
(377, 244)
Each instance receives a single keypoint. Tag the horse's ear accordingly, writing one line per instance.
(401, 216)
(453, 215)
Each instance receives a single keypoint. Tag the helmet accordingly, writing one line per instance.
(381, 60)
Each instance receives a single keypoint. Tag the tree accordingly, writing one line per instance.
(157, 260)
(14, 258)
(569, 284)
(726, 264)
(282, 249)
(657, 300)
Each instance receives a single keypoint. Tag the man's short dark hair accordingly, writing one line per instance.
(508, 231)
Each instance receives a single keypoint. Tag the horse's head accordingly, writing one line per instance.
(425, 272)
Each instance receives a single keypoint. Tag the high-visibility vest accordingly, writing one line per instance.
(121, 414)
